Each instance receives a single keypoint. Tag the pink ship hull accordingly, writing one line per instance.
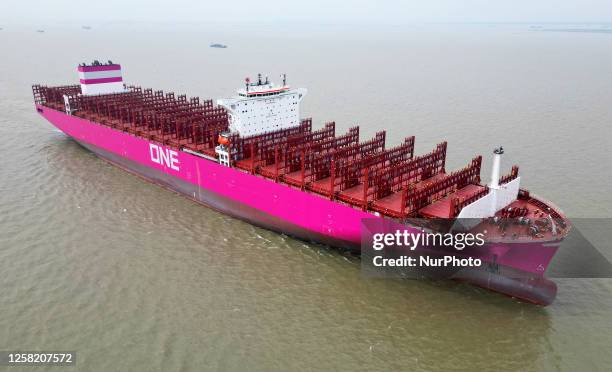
(249, 197)
(279, 207)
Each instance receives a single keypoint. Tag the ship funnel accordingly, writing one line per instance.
(100, 78)
(497, 153)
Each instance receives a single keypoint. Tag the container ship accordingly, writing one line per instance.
(253, 157)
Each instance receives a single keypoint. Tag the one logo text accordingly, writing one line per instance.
(164, 156)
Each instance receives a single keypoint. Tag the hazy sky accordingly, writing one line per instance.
(328, 11)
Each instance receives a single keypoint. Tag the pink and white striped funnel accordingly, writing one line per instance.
(100, 78)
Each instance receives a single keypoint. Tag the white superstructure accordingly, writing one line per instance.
(263, 106)
(499, 196)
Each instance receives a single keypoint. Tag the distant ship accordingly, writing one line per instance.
(86, 27)
(40, 31)
(251, 156)
(222, 46)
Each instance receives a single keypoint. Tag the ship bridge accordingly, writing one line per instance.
(262, 88)
(263, 106)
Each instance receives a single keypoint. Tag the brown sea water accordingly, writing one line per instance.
(134, 277)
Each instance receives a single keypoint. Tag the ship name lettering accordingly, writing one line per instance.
(163, 156)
